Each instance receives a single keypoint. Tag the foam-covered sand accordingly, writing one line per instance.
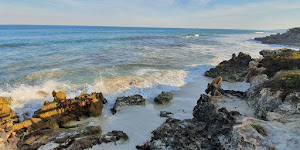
(139, 121)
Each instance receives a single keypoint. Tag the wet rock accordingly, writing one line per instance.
(91, 140)
(83, 96)
(42, 94)
(166, 114)
(163, 98)
(64, 136)
(127, 101)
(291, 37)
(233, 70)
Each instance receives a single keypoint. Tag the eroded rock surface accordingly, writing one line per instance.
(127, 101)
(233, 70)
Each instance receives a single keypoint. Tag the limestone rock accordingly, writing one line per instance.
(233, 70)
(59, 96)
(260, 135)
(163, 98)
(127, 101)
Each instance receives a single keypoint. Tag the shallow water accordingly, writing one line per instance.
(114, 60)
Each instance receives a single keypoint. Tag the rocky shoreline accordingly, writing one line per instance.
(264, 117)
(291, 37)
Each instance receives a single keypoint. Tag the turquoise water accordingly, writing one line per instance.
(114, 60)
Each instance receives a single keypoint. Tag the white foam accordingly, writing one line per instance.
(26, 99)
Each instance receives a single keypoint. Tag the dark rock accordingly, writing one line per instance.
(164, 98)
(209, 129)
(166, 114)
(233, 70)
(91, 140)
(127, 101)
(291, 37)
(238, 94)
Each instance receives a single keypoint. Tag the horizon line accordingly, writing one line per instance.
(138, 27)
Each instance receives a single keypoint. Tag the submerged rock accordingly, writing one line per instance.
(291, 37)
(166, 114)
(127, 101)
(163, 98)
(233, 70)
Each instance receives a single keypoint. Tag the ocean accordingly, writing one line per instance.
(118, 61)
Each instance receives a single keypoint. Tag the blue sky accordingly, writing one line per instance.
(228, 14)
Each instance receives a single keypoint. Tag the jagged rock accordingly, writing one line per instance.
(126, 101)
(209, 129)
(166, 114)
(255, 87)
(291, 37)
(91, 140)
(83, 96)
(273, 53)
(260, 135)
(233, 70)
(214, 88)
(163, 98)
(37, 131)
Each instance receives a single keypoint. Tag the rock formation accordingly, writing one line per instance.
(163, 98)
(36, 131)
(291, 37)
(127, 101)
(233, 70)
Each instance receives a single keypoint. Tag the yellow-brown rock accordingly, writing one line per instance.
(59, 96)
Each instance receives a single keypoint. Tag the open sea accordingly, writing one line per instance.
(118, 61)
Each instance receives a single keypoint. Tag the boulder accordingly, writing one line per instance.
(59, 96)
(233, 70)
(163, 98)
(127, 101)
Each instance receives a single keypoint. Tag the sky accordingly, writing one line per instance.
(213, 14)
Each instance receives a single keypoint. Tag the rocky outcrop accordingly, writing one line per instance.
(210, 128)
(127, 101)
(233, 70)
(163, 98)
(283, 59)
(291, 37)
(34, 132)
